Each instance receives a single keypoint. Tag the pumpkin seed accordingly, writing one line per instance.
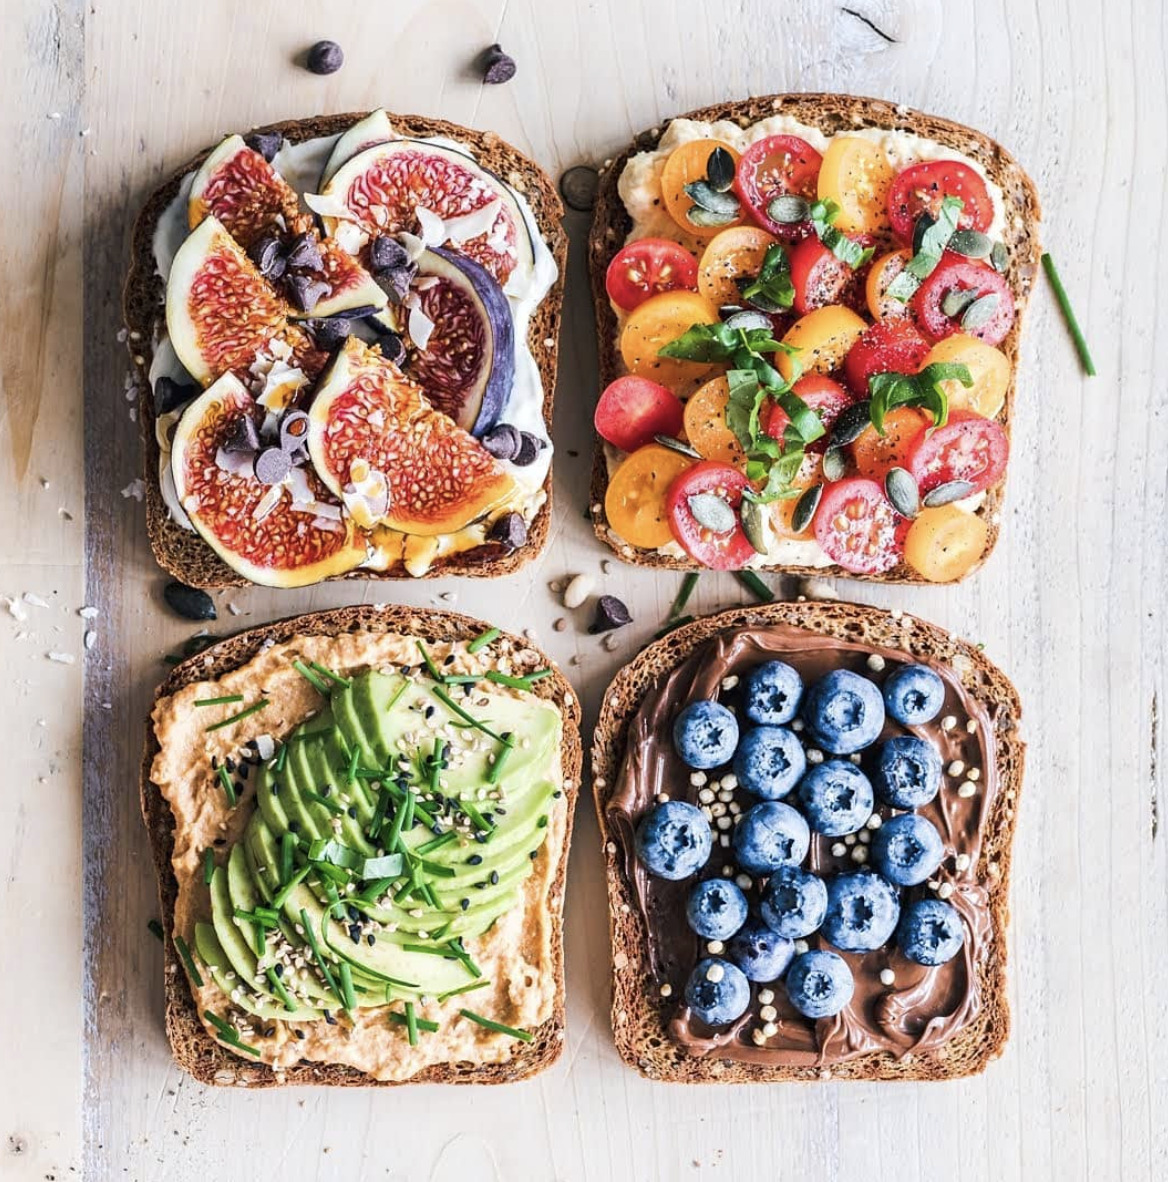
(978, 314)
(971, 243)
(677, 445)
(925, 222)
(901, 490)
(805, 508)
(1000, 257)
(754, 524)
(748, 320)
(851, 423)
(956, 300)
(708, 198)
(705, 218)
(835, 463)
(720, 170)
(947, 493)
(788, 209)
(711, 512)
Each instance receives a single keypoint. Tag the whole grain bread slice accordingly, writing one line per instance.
(193, 1048)
(640, 1016)
(832, 114)
(184, 554)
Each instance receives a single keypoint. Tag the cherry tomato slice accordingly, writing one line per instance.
(733, 254)
(881, 273)
(921, 188)
(857, 527)
(646, 268)
(889, 346)
(822, 339)
(875, 454)
(856, 176)
(955, 273)
(632, 410)
(819, 278)
(988, 367)
(653, 324)
(705, 423)
(635, 500)
(825, 396)
(729, 550)
(771, 167)
(945, 543)
(968, 447)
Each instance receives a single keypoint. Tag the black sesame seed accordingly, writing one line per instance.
(229, 763)
(214, 763)
(480, 886)
(475, 860)
(534, 854)
(501, 811)
(494, 878)
(464, 903)
(329, 1018)
(278, 969)
(448, 659)
(355, 933)
(294, 826)
(353, 811)
(245, 770)
(298, 1033)
(371, 939)
(430, 711)
(353, 913)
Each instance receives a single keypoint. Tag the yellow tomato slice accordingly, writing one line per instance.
(635, 500)
(945, 543)
(733, 253)
(875, 454)
(705, 424)
(856, 175)
(783, 511)
(989, 368)
(882, 272)
(823, 338)
(686, 164)
(656, 322)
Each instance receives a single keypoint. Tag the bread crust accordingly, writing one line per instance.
(193, 1048)
(831, 113)
(184, 554)
(640, 1020)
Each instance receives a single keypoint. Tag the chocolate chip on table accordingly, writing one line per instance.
(497, 66)
(503, 441)
(610, 613)
(325, 57)
(189, 602)
(272, 465)
(170, 395)
(529, 448)
(386, 253)
(242, 435)
(304, 251)
(306, 292)
(266, 143)
(578, 186)
(510, 530)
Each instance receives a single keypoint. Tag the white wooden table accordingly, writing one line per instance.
(99, 100)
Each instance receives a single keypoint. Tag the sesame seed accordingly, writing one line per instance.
(770, 1030)
(849, 839)
(887, 977)
(948, 722)
(971, 726)
(730, 781)
(797, 724)
(666, 990)
(723, 822)
(715, 947)
(961, 862)
(697, 779)
(801, 946)
(875, 662)
(814, 755)
(955, 768)
(727, 871)
(967, 789)
(728, 683)
(715, 973)
(757, 1037)
(706, 796)
(974, 773)
(718, 809)
(662, 797)
(766, 996)
(864, 836)
(875, 821)
(768, 1013)
(838, 849)
(860, 854)
(945, 890)
(854, 757)
(744, 881)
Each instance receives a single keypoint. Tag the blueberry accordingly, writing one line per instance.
(716, 909)
(908, 772)
(717, 991)
(762, 954)
(770, 835)
(772, 693)
(794, 902)
(930, 932)
(844, 712)
(907, 849)
(862, 910)
(705, 734)
(836, 797)
(769, 761)
(914, 694)
(674, 840)
(819, 984)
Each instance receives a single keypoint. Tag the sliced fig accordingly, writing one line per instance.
(220, 312)
(468, 365)
(375, 128)
(371, 428)
(351, 287)
(273, 535)
(386, 185)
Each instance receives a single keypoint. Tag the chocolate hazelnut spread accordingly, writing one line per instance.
(922, 1007)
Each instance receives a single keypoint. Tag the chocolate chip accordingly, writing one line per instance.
(305, 252)
(325, 57)
(330, 333)
(396, 280)
(266, 143)
(170, 395)
(267, 252)
(242, 435)
(510, 530)
(497, 66)
(610, 613)
(306, 292)
(529, 448)
(503, 442)
(393, 348)
(386, 253)
(189, 602)
(578, 187)
(272, 465)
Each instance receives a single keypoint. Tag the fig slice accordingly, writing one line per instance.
(370, 427)
(220, 312)
(284, 535)
(467, 367)
(384, 186)
(375, 128)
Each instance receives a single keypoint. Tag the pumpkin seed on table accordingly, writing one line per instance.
(947, 493)
(711, 512)
(189, 602)
(902, 492)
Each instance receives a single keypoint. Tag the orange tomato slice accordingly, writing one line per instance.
(945, 543)
(686, 164)
(875, 454)
(635, 501)
(881, 274)
(856, 175)
(989, 367)
(732, 254)
(823, 338)
(705, 424)
(656, 322)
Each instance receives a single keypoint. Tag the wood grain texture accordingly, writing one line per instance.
(1071, 604)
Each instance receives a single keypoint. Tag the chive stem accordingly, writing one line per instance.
(687, 587)
(335, 678)
(226, 700)
(228, 1033)
(1064, 303)
(755, 585)
(254, 708)
(350, 998)
(281, 896)
(497, 1027)
(420, 1023)
(322, 964)
(496, 769)
(189, 961)
(673, 626)
(208, 865)
(411, 1024)
(524, 682)
(483, 639)
(320, 686)
(228, 786)
(470, 988)
(453, 706)
(279, 990)
(431, 668)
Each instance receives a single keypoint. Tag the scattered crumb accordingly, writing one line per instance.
(62, 658)
(15, 608)
(135, 489)
(35, 600)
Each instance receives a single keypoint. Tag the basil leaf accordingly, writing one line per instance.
(823, 214)
(771, 289)
(778, 483)
(806, 424)
(702, 342)
(886, 391)
(890, 390)
(744, 406)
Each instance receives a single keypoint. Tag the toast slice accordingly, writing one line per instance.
(642, 1011)
(194, 1049)
(831, 114)
(184, 554)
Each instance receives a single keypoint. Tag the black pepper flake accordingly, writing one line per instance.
(371, 939)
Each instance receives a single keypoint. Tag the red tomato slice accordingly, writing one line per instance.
(968, 447)
(633, 409)
(825, 396)
(858, 528)
(819, 278)
(646, 268)
(771, 167)
(955, 273)
(889, 346)
(922, 187)
(729, 550)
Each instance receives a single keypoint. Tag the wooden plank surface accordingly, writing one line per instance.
(1071, 604)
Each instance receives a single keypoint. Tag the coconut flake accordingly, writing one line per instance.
(329, 205)
(268, 502)
(62, 658)
(350, 237)
(296, 482)
(432, 227)
(420, 326)
(367, 500)
(15, 607)
(414, 246)
(327, 511)
(474, 224)
(34, 600)
(265, 746)
(235, 463)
